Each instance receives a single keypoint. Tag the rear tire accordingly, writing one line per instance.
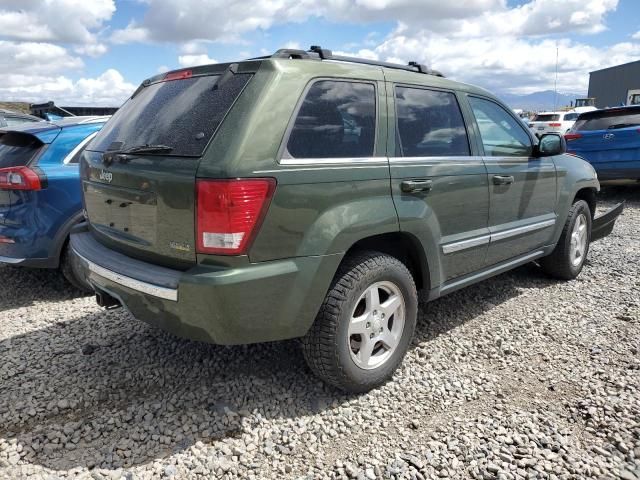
(567, 259)
(365, 325)
(70, 268)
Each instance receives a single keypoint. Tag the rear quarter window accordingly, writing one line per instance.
(182, 114)
(337, 119)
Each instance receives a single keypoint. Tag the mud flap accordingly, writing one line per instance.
(603, 224)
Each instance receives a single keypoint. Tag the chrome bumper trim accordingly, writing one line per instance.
(11, 260)
(132, 283)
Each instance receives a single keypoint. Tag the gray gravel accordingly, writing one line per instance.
(518, 377)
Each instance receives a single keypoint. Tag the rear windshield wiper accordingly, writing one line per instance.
(622, 125)
(147, 149)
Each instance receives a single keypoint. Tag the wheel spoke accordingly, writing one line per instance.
(366, 350)
(388, 339)
(358, 325)
(390, 307)
(373, 298)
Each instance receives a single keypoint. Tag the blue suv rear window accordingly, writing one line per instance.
(17, 149)
(182, 114)
(607, 120)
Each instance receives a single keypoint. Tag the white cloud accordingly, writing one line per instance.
(131, 34)
(636, 36)
(539, 17)
(194, 60)
(35, 58)
(72, 21)
(226, 20)
(91, 49)
(109, 89)
(513, 64)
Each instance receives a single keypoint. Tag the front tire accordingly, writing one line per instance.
(567, 259)
(365, 325)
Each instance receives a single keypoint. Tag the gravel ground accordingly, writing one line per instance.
(517, 377)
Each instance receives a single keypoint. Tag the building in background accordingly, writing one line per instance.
(614, 86)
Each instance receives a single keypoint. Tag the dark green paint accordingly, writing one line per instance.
(318, 212)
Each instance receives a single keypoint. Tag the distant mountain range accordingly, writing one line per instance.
(538, 101)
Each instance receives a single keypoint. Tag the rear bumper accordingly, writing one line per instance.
(602, 225)
(254, 303)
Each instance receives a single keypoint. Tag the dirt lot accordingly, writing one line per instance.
(517, 377)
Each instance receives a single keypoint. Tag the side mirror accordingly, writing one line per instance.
(550, 144)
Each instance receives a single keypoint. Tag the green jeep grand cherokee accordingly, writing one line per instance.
(310, 195)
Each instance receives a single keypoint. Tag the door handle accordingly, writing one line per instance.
(503, 179)
(416, 185)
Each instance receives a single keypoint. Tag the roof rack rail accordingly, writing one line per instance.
(318, 53)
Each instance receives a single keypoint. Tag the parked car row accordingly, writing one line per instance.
(301, 195)
(609, 139)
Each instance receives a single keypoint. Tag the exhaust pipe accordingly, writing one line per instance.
(107, 301)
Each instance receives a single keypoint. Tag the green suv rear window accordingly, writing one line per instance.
(336, 120)
(181, 114)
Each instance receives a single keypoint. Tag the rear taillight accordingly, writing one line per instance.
(229, 212)
(555, 124)
(572, 136)
(20, 178)
(4, 239)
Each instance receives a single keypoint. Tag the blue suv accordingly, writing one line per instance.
(609, 139)
(40, 197)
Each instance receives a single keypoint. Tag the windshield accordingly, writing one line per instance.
(180, 114)
(607, 121)
(546, 117)
(18, 149)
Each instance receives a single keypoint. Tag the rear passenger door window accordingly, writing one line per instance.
(502, 135)
(337, 119)
(429, 124)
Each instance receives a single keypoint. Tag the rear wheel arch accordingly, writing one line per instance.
(403, 246)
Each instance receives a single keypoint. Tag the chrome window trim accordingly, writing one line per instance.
(132, 283)
(332, 161)
(77, 148)
(444, 160)
(494, 237)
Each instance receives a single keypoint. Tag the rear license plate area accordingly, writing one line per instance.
(121, 212)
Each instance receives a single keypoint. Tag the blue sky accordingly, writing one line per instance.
(97, 51)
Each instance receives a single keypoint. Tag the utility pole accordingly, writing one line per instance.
(555, 85)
